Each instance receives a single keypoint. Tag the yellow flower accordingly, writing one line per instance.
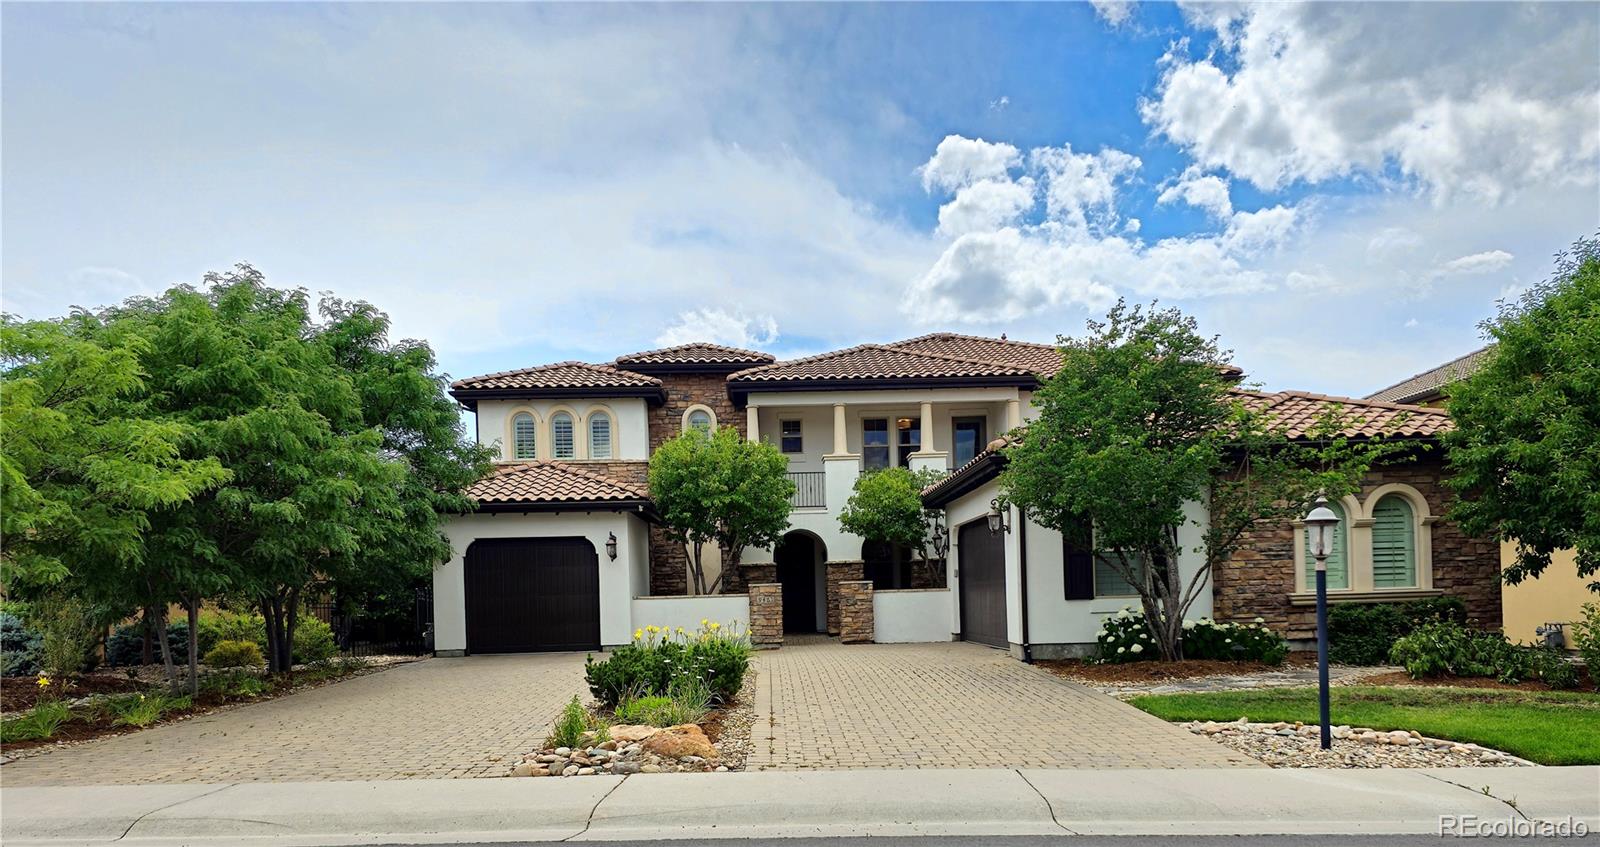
(638, 634)
(704, 621)
(44, 681)
(716, 626)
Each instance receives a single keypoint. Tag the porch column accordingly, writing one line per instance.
(752, 422)
(840, 445)
(927, 429)
(1013, 414)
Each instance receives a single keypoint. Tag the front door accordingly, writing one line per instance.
(983, 585)
(796, 558)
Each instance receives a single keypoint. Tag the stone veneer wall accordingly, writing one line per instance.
(669, 562)
(766, 615)
(1259, 578)
(837, 573)
(856, 624)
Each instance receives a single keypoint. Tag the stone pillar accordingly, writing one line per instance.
(840, 442)
(766, 616)
(758, 574)
(1013, 414)
(855, 611)
(839, 572)
(752, 424)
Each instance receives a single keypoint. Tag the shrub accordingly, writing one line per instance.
(67, 635)
(1586, 638)
(570, 726)
(718, 656)
(1125, 638)
(313, 641)
(40, 723)
(1446, 647)
(19, 647)
(235, 654)
(125, 647)
(645, 710)
(235, 683)
(1362, 634)
(222, 625)
(141, 710)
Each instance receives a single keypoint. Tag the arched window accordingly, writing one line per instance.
(1394, 544)
(599, 436)
(1338, 559)
(699, 419)
(562, 445)
(523, 438)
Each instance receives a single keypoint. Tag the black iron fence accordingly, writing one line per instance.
(810, 489)
(396, 629)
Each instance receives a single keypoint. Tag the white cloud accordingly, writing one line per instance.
(719, 326)
(1477, 263)
(1114, 12)
(1081, 188)
(1201, 190)
(986, 205)
(1000, 103)
(1411, 323)
(1485, 100)
(960, 161)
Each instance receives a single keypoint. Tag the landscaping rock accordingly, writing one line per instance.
(627, 733)
(625, 767)
(1352, 748)
(678, 742)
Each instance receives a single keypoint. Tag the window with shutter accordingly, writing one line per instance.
(523, 439)
(1077, 556)
(600, 436)
(1394, 550)
(1338, 561)
(562, 446)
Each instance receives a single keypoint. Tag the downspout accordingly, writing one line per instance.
(1022, 571)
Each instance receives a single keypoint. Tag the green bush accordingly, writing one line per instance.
(222, 625)
(19, 647)
(40, 723)
(571, 725)
(1125, 638)
(1362, 634)
(1446, 647)
(1586, 638)
(645, 710)
(719, 657)
(141, 710)
(313, 641)
(235, 683)
(68, 635)
(235, 654)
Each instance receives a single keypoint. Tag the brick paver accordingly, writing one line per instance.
(821, 704)
(438, 718)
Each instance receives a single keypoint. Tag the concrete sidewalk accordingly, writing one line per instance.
(770, 805)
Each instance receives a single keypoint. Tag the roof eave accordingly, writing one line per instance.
(469, 397)
(965, 481)
(643, 506)
(738, 389)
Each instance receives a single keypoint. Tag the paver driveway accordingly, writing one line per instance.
(821, 704)
(438, 718)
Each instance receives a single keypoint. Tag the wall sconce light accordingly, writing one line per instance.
(611, 546)
(999, 521)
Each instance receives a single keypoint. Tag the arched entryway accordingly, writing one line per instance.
(800, 557)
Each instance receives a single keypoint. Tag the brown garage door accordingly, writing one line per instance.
(526, 595)
(983, 585)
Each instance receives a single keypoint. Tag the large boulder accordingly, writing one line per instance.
(628, 733)
(676, 742)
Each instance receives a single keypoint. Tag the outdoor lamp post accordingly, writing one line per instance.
(1320, 524)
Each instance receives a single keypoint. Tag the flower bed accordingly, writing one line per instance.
(1124, 637)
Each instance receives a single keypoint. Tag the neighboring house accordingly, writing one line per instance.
(566, 552)
(1558, 595)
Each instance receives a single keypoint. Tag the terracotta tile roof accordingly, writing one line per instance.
(1039, 358)
(876, 361)
(558, 376)
(696, 353)
(1431, 383)
(1298, 411)
(550, 482)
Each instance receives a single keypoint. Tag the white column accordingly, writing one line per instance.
(840, 444)
(1013, 414)
(927, 429)
(753, 422)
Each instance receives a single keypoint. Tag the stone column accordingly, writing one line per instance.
(766, 616)
(856, 625)
(927, 429)
(1013, 414)
(840, 443)
(752, 422)
(837, 573)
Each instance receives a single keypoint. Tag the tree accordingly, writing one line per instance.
(1526, 447)
(720, 489)
(886, 505)
(1141, 420)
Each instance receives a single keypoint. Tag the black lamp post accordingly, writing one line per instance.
(1321, 522)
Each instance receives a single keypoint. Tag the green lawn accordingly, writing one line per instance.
(1548, 727)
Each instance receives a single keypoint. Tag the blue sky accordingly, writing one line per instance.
(1341, 190)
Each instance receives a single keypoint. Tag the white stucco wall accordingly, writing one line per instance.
(619, 580)
(688, 612)
(630, 429)
(900, 617)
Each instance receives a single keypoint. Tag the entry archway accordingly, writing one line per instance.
(801, 562)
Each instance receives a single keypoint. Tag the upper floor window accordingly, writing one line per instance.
(562, 445)
(909, 439)
(1338, 561)
(874, 443)
(789, 437)
(523, 436)
(1394, 550)
(700, 418)
(600, 436)
(969, 440)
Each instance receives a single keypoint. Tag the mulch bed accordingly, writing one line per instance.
(1158, 671)
(1402, 678)
(19, 693)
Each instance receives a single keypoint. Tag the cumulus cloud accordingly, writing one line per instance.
(986, 205)
(1311, 92)
(960, 161)
(1477, 263)
(1081, 188)
(720, 326)
(1201, 190)
(1114, 12)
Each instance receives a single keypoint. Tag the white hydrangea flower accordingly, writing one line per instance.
(1137, 648)
(1188, 624)
(1261, 620)
(1124, 615)
(1124, 649)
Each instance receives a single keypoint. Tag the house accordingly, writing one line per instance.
(565, 551)
(1534, 606)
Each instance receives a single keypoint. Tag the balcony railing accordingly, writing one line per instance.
(810, 489)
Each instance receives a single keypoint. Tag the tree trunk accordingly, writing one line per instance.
(293, 612)
(697, 572)
(147, 648)
(193, 608)
(166, 651)
(269, 611)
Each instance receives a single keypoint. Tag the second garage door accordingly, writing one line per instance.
(983, 585)
(527, 595)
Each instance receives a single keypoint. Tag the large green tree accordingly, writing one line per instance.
(721, 489)
(1526, 446)
(1140, 421)
(886, 505)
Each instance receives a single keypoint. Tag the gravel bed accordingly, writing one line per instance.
(734, 741)
(1296, 745)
